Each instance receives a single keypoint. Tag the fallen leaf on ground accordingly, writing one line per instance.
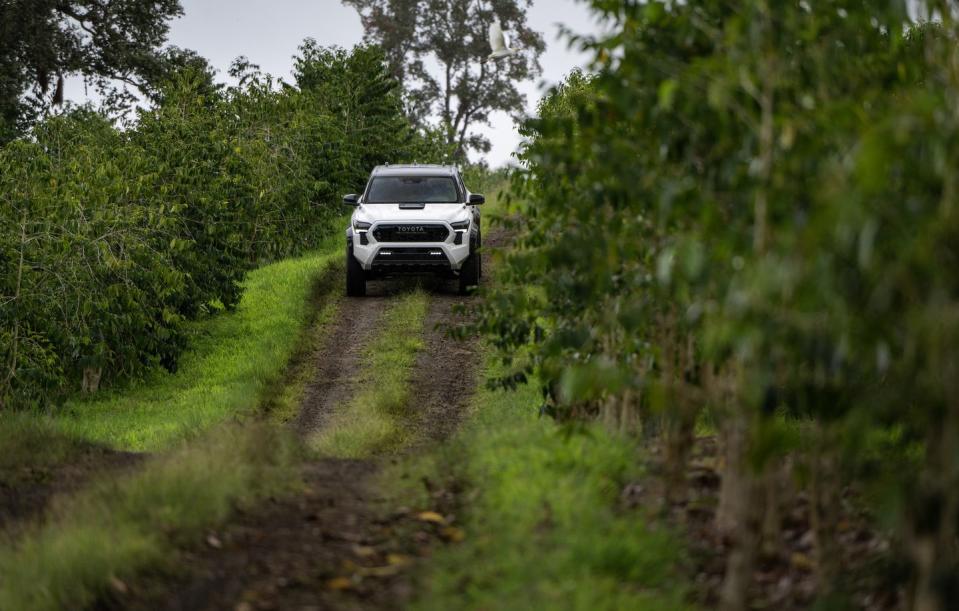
(380, 571)
(364, 551)
(398, 559)
(451, 533)
(430, 516)
(339, 583)
(118, 585)
(801, 561)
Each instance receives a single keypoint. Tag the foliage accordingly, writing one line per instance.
(110, 240)
(85, 283)
(753, 210)
(416, 34)
(232, 363)
(359, 91)
(480, 178)
(43, 41)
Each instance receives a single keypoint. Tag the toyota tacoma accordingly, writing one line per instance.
(413, 219)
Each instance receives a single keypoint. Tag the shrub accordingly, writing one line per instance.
(753, 211)
(110, 239)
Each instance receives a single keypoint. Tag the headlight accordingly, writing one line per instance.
(461, 225)
(361, 226)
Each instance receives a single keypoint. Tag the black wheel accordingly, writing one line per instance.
(479, 245)
(355, 276)
(469, 273)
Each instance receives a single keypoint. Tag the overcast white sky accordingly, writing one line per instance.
(269, 31)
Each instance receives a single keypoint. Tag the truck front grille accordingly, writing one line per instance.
(411, 233)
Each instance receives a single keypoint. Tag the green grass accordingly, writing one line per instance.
(282, 400)
(115, 528)
(373, 420)
(542, 522)
(234, 359)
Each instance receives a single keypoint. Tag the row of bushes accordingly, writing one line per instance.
(748, 219)
(110, 239)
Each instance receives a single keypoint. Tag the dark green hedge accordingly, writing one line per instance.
(748, 220)
(111, 238)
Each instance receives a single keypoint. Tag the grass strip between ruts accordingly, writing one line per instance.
(373, 420)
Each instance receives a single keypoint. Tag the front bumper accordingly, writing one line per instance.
(410, 257)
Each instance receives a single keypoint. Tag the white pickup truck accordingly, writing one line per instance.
(413, 219)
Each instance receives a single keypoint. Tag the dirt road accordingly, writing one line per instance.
(338, 545)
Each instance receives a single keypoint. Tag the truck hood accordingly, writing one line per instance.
(377, 213)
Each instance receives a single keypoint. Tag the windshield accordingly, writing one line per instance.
(412, 190)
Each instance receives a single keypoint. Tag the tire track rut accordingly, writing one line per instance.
(444, 375)
(338, 360)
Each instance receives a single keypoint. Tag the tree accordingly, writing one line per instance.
(113, 45)
(112, 239)
(356, 87)
(466, 88)
(730, 219)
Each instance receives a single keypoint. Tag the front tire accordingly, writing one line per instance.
(355, 276)
(479, 246)
(470, 273)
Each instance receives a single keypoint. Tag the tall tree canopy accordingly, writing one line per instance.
(107, 42)
(438, 49)
(358, 90)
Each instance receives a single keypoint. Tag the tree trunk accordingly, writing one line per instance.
(767, 140)
(933, 538)
(733, 489)
(825, 499)
(740, 510)
(620, 413)
(745, 534)
(775, 482)
(741, 498)
(688, 397)
(679, 443)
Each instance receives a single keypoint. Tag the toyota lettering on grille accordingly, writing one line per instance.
(410, 233)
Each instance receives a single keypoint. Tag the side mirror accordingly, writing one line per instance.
(351, 200)
(476, 199)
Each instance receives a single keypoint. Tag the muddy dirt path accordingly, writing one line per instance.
(339, 545)
(27, 495)
(445, 373)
